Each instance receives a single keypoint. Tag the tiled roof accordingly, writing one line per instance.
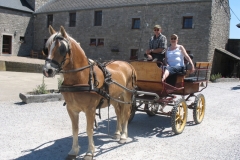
(21, 5)
(228, 53)
(69, 5)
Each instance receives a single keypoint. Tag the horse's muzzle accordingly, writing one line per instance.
(49, 72)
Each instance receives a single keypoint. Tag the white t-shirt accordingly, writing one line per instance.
(175, 57)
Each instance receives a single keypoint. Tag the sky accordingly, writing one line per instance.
(234, 30)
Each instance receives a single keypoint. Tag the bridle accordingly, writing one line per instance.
(59, 65)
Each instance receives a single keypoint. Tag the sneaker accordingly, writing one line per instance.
(154, 60)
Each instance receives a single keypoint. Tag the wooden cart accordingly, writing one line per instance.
(153, 95)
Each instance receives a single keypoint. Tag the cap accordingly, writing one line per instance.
(157, 26)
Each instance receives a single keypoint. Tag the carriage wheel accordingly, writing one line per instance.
(151, 111)
(199, 108)
(179, 116)
(133, 110)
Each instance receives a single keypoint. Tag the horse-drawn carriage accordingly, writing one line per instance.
(154, 95)
(89, 85)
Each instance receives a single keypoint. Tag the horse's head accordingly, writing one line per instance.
(57, 49)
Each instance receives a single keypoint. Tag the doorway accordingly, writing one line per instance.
(7, 44)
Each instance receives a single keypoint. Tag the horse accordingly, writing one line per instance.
(89, 85)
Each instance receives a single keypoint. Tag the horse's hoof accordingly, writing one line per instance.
(122, 141)
(116, 136)
(88, 157)
(71, 157)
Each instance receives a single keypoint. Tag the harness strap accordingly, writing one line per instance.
(82, 89)
(78, 69)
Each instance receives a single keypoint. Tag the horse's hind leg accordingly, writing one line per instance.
(74, 116)
(117, 134)
(125, 112)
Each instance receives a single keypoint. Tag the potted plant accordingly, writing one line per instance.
(42, 94)
(214, 77)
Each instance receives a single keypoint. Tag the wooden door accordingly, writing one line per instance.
(7, 44)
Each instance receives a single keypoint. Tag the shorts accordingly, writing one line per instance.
(174, 69)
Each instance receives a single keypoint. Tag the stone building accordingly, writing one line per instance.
(120, 29)
(16, 28)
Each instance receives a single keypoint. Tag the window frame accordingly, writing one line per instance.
(134, 21)
(98, 18)
(100, 42)
(134, 54)
(72, 19)
(49, 20)
(184, 20)
(93, 42)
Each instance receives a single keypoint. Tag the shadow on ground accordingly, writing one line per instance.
(235, 88)
(141, 126)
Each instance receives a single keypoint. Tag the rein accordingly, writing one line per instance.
(92, 84)
(78, 69)
(92, 88)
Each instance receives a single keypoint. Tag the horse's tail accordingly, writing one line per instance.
(134, 77)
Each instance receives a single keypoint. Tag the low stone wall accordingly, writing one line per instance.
(20, 67)
(227, 80)
(2, 66)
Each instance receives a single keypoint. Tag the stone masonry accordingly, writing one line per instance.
(210, 28)
(17, 24)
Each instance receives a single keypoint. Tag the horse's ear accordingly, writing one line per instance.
(63, 32)
(51, 30)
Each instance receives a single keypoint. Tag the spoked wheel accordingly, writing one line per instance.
(179, 116)
(199, 109)
(133, 110)
(151, 111)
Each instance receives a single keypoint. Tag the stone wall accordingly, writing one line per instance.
(219, 34)
(17, 24)
(219, 28)
(117, 33)
(36, 4)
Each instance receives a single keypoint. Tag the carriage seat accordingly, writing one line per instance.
(194, 79)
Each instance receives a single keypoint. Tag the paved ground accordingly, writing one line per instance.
(43, 130)
(21, 59)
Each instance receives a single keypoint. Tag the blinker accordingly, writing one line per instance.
(62, 49)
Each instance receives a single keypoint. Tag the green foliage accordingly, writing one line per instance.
(213, 77)
(60, 81)
(41, 89)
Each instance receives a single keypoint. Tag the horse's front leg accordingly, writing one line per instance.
(74, 116)
(90, 116)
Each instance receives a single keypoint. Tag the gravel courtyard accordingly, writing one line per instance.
(42, 131)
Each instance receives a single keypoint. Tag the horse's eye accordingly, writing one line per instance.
(45, 51)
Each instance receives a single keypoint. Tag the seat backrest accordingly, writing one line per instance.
(202, 65)
(147, 71)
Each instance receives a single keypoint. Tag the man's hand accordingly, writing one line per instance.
(148, 51)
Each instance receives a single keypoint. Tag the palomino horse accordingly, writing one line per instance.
(84, 87)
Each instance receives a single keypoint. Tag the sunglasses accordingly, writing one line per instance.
(173, 38)
(156, 29)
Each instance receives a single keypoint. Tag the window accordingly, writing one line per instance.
(187, 22)
(100, 42)
(136, 23)
(97, 42)
(98, 18)
(93, 42)
(49, 20)
(134, 54)
(21, 40)
(72, 19)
